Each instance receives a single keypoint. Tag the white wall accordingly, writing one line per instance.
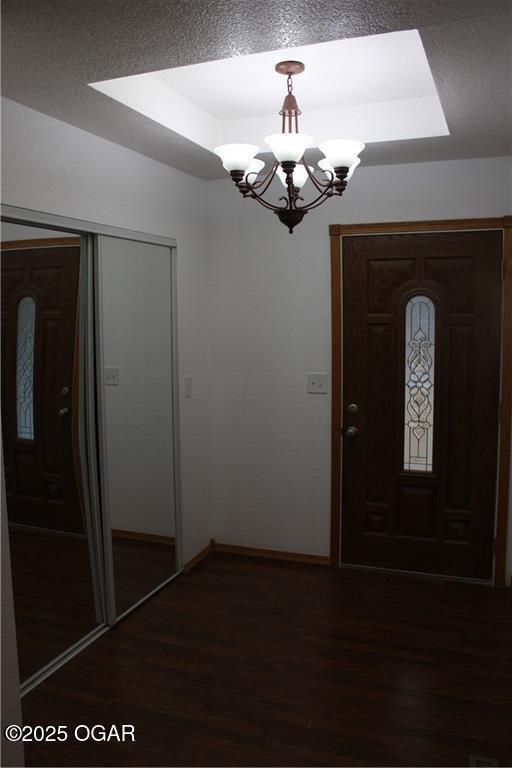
(53, 167)
(271, 324)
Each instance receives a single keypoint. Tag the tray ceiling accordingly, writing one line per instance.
(53, 49)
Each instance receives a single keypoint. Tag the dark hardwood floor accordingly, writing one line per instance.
(53, 593)
(246, 662)
(53, 596)
(139, 567)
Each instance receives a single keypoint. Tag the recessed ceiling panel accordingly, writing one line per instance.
(375, 88)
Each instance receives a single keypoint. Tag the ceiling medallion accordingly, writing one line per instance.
(340, 161)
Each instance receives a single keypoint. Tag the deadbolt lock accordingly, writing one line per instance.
(353, 408)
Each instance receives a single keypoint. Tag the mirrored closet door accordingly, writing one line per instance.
(57, 595)
(89, 433)
(135, 346)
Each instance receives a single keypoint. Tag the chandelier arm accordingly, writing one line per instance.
(322, 184)
(294, 205)
(317, 201)
(270, 175)
(269, 206)
(318, 184)
(251, 189)
(247, 182)
(264, 203)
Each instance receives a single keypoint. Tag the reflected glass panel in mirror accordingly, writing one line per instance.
(25, 334)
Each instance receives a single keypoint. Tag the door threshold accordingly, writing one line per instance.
(430, 576)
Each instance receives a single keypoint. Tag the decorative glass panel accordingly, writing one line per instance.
(25, 367)
(419, 384)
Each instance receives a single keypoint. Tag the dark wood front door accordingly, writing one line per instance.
(39, 313)
(421, 365)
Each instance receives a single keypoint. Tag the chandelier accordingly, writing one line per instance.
(340, 161)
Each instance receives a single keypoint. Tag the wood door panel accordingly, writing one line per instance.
(48, 280)
(440, 521)
(459, 416)
(376, 518)
(53, 490)
(11, 278)
(456, 276)
(40, 472)
(377, 424)
(416, 512)
(28, 475)
(384, 276)
(50, 373)
(457, 527)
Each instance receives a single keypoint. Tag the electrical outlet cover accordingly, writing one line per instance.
(318, 383)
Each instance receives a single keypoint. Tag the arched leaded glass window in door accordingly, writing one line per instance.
(419, 384)
(25, 334)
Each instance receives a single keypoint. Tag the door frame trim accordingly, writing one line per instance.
(336, 234)
(53, 221)
(48, 242)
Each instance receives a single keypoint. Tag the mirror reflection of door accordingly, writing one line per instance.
(422, 315)
(53, 593)
(137, 406)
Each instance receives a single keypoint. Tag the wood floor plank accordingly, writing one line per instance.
(263, 663)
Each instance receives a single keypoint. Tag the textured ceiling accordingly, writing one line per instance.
(53, 48)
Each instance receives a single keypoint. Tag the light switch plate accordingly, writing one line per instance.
(187, 385)
(112, 377)
(318, 383)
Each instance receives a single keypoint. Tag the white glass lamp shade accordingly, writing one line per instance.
(326, 166)
(236, 157)
(352, 169)
(341, 153)
(288, 147)
(300, 176)
(253, 169)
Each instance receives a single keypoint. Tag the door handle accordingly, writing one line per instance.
(63, 411)
(351, 432)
